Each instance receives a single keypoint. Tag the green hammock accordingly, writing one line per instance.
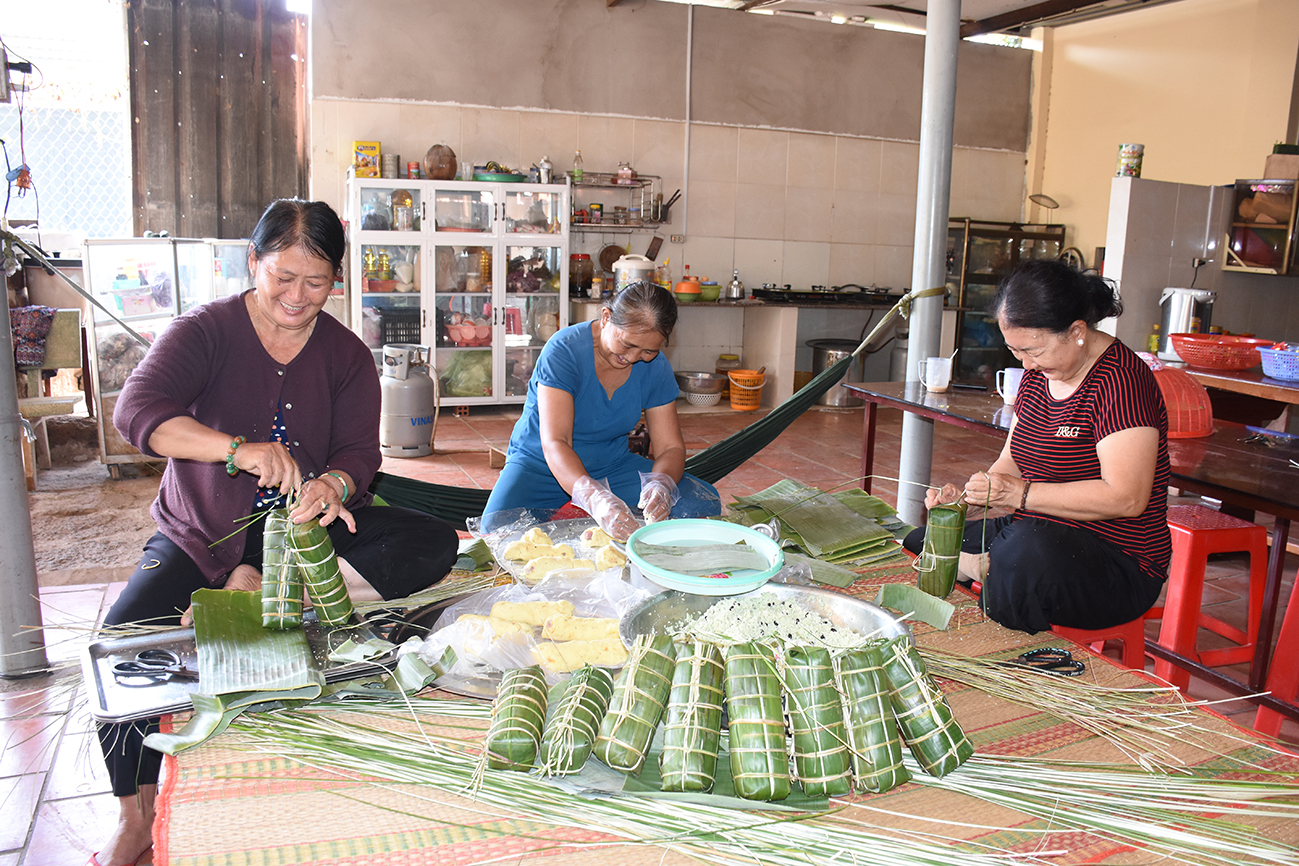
(455, 504)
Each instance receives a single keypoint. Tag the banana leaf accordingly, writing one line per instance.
(518, 717)
(314, 552)
(940, 557)
(281, 577)
(241, 665)
(574, 720)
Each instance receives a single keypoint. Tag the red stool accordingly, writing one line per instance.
(1283, 673)
(1197, 532)
(1133, 635)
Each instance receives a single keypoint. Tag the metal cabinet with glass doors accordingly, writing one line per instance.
(145, 283)
(979, 254)
(478, 271)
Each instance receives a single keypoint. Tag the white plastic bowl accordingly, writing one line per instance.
(691, 532)
(703, 399)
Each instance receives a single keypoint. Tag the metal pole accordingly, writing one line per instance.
(928, 264)
(22, 643)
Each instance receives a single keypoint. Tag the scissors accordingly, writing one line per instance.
(1050, 660)
(154, 664)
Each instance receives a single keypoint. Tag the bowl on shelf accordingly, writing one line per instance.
(1281, 362)
(709, 291)
(482, 332)
(696, 382)
(1218, 351)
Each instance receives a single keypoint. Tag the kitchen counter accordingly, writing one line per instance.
(866, 302)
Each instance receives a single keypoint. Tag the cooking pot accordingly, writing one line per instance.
(630, 269)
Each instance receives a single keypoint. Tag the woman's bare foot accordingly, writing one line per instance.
(134, 832)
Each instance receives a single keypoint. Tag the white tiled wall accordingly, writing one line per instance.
(782, 207)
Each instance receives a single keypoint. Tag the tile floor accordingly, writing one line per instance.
(53, 790)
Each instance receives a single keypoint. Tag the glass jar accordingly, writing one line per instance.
(725, 364)
(580, 271)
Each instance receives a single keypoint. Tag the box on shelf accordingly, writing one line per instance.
(366, 158)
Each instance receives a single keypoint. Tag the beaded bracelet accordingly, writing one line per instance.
(1023, 500)
(342, 481)
(230, 454)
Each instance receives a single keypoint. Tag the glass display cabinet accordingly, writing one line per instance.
(145, 283)
(979, 254)
(477, 270)
(1261, 237)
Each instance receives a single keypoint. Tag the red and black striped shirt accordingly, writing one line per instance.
(1054, 441)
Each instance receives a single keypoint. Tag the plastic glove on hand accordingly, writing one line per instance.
(610, 512)
(658, 493)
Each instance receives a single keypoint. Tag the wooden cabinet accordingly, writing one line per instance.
(1261, 236)
(979, 254)
(477, 271)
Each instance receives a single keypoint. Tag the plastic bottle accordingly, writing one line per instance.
(1154, 340)
(726, 363)
(578, 174)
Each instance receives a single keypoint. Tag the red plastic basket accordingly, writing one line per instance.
(1190, 414)
(1218, 352)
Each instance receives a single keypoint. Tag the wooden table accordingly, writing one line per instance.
(1251, 382)
(1222, 466)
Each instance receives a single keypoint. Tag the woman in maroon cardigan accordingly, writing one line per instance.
(252, 397)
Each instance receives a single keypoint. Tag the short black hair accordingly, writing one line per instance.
(1047, 295)
(644, 306)
(292, 222)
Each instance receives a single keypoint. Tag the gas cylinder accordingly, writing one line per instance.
(408, 401)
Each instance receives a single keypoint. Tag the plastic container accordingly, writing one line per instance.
(1190, 414)
(1281, 363)
(693, 532)
(746, 389)
(580, 272)
(725, 364)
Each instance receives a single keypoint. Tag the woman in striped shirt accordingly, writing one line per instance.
(1084, 469)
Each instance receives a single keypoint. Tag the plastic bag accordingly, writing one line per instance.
(500, 529)
(482, 655)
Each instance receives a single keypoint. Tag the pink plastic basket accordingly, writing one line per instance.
(1281, 363)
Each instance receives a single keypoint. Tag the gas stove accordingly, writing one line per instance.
(823, 294)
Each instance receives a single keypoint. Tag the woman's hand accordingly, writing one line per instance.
(322, 497)
(271, 463)
(658, 493)
(936, 496)
(995, 490)
(610, 512)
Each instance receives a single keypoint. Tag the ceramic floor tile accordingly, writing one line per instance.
(69, 831)
(19, 794)
(78, 769)
(29, 743)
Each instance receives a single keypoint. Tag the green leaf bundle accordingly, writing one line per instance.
(518, 717)
(314, 553)
(639, 696)
(816, 719)
(941, 555)
(928, 726)
(281, 577)
(873, 736)
(574, 720)
(693, 727)
(759, 763)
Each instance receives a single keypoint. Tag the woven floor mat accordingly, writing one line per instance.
(223, 804)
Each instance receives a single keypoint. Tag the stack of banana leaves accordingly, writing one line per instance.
(848, 527)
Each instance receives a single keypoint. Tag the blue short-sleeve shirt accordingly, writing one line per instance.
(600, 422)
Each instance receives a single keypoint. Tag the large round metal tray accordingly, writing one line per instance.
(661, 613)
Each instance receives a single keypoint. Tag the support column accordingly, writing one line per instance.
(22, 643)
(928, 267)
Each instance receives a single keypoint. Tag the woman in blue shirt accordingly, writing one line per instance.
(591, 384)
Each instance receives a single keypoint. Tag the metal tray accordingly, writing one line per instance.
(111, 700)
(667, 609)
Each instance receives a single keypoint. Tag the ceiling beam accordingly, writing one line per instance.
(1036, 12)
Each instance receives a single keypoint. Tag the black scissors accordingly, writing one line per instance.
(154, 664)
(1051, 660)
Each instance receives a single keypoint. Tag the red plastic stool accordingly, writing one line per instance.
(1197, 532)
(1133, 635)
(1283, 673)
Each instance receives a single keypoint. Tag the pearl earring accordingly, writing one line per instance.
(1080, 342)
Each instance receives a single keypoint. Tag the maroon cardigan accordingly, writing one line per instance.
(209, 364)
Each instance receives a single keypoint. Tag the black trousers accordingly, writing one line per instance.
(397, 550)
(1042, 573)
